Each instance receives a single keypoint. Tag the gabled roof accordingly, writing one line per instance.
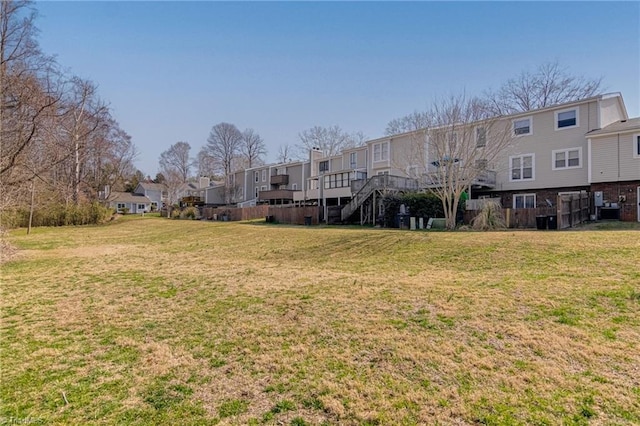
(153, 186)
(622, 126)
(521, 114)
(128, 197)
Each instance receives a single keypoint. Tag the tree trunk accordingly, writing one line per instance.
(33, 197)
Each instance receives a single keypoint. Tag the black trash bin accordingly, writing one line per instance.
(307, 220)
(541, 222)
(552, 221)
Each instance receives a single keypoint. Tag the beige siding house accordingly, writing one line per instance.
(614, 166)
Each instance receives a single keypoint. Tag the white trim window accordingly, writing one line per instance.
(523, 126)
(524, 201)
(257, 176)
(257, 190)
(481, 137)
(141, 207)
(264, 175)
(353, 160)
(381, 151)
(522, 167)
(121, 206)
(570, 158)
(263, 188)
(636, 145)
(323, 166)
(567, 118)
(294, 186)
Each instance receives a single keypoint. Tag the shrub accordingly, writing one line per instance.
(489, 217)
(175, 213)
(190, 213)
(424, 205)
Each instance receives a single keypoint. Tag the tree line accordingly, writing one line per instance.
(60, 144)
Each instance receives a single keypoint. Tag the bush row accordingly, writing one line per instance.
(57, 215)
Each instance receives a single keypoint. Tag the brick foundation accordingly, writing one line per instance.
(623, 193)
(506, 197)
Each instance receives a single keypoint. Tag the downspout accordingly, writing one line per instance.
(589, 176)
(618, 157)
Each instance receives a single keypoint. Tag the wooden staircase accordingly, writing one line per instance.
(375, 185)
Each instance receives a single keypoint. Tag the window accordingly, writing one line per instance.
(264, 175)
(636, 145)
(263, 188)
(522, 167)
(481, 137)
(257, 190)
(385, 172)
(142, 207)
(121, 206)
(482, 164)
(567, 158)
(294, 186)
(524, 201)
(323, 166)
(257, 176)
(339, 180)
(353, 160)
(522, 127)
(381, 151)
(567, 118)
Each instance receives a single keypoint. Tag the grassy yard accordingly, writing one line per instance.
(152, 321)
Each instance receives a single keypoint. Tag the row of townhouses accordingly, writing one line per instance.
(589, 145)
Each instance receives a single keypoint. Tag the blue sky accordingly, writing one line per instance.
(172, 70)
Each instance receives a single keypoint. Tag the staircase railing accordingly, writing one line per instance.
(376, 183)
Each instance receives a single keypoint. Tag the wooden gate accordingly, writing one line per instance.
(573, 209)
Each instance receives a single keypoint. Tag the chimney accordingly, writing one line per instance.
(204, 182)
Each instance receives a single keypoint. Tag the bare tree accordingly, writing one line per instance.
(550, 84)
(177, 160)
(222, 146)
(207, 165)
(409, 123)
(331, 140)
(28, 89)
(285, 153)
(252, 148)
(464, 143)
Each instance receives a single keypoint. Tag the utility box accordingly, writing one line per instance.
(597, 199)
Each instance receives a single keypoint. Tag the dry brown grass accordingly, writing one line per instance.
(154, 321)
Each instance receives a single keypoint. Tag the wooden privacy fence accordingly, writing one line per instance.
(282, 214)
(570, 210)
(573, 209)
